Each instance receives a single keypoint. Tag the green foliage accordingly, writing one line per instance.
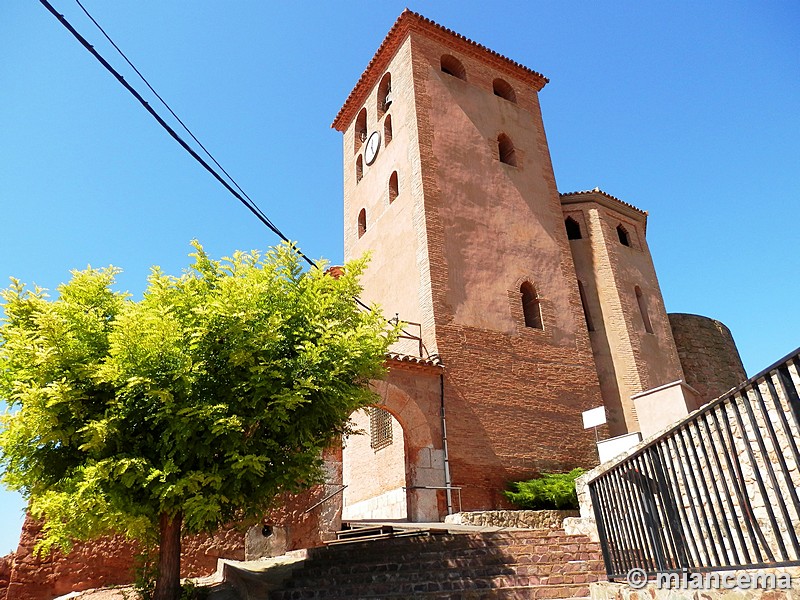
(191, 591)
(145, 572)
(549, 491)
(206, 399)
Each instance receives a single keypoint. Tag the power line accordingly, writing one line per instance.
(172, 112)
(243, 197)
(249, 204)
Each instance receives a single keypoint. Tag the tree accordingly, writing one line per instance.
(194, 407)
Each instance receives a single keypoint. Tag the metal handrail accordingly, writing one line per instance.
(715, 491)
(342, 487)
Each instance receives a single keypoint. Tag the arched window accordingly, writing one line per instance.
(530, 306)
(585, 304)
(384, 94)
(359, 168)
(573, 229)
(387, 130)
(503, 89)
(394, 189)
(624, 239)
(361, 129)
(648, 327)
(506, 147)
(362, 222)
(452, 66)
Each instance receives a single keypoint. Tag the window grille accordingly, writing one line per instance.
(380, 428)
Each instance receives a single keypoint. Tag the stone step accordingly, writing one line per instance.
(495, 539)
(400, 577)
(466, 590)
(449, 563)
(451, 544)
(518, 564)
(526, 575)
(446, 558)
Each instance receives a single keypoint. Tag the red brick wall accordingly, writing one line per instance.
(103, 562)
(513, 394)
(110, 560)
(451, 252)
(5, 573)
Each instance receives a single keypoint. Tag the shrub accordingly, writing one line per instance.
(549, 491)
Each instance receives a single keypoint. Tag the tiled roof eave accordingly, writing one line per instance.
(410, 21)
(406, 359)
(586, 196)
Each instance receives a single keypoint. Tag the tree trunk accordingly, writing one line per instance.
(168, 581)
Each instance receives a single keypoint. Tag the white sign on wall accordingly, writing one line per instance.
(594, 417)
(613, 447)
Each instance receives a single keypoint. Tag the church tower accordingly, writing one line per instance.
(448, 184)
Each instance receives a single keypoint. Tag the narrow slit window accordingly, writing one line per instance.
(531, 308)
(573, 229)
(505, 146)
(648, 327)
(585, 304)
(362, 222)
(387, 130)
(380, 428)
(361, 129)
(452, 66)
(624, 238)
(359, 168)
(503, 89)
(394, 188)
(384, 94)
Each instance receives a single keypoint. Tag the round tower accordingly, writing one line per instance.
(708, 354)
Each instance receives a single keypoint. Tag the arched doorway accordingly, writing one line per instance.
(374, 468)
(404, 479)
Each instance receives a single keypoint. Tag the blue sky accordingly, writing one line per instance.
(688, 110)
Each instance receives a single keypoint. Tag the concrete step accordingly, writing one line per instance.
(251, 580)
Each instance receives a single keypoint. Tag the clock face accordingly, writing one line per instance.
(373, 144)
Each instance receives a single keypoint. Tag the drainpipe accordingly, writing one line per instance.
(447, 481)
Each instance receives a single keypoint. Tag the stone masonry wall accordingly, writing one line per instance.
(708, 354)
(523, 519)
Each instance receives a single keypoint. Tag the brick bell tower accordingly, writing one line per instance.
(448, 184)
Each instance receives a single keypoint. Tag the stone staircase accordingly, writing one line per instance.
(437, 564)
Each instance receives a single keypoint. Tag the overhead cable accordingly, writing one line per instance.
(172, 112)
(240, 195)
(249, 204)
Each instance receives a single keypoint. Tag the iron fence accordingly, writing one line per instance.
(717, 491)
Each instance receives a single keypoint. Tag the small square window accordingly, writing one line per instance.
(380, 428)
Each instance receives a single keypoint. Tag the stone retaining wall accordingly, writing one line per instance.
(708, 354)
(525, 519)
